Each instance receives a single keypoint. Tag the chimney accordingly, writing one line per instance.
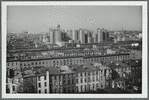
(34, 72)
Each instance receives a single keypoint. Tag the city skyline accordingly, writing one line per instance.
(40, 18)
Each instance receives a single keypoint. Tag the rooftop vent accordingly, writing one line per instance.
(117, 64)
(137, 61)
(34, 72)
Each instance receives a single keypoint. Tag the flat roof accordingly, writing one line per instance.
(118, 64)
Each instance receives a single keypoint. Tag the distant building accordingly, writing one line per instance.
(136, 54)
(51, 37)
(95, 37)
(69, 33)
(100, 35)
(119, 38)
(82, 35)
(74, 34)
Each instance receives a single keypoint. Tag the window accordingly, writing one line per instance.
(93, 86)
(38, 78)
(85, 80)
(96, 78)
(93, 73)
(39, 91)
(45, 77)
(81, 88)
(45, 90)
(81, 80)
(89, 79)
(6, 80)
(45, 84)
(88, 73)
(39, 84)
(89, 86)
(85, 88)
(64, 82)
(96, 72)
(81, 74)
(101, 86)
(68, 82)
(77, 88)
(13, 88)
(77, 80)
(93, 79)
(97, 85)
(101, 71)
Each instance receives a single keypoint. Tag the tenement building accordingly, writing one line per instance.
(76, 78)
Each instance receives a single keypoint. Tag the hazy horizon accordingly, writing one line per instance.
(40, 18)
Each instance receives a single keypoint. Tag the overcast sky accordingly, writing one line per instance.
(40, 18)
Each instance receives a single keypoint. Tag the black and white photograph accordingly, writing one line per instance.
(75, 49)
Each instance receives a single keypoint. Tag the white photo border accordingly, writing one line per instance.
(144, 94)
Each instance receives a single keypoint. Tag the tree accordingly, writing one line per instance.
(26, 87)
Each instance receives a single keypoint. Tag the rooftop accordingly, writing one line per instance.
(117, 64)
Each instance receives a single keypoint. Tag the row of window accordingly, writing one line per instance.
(81, 80)
(89, 86)
(76, 88)
(133, 68)
(39, 78)
(123, 69)
(73, 75)
(39, 84)
(65, 61)
(45, 91)
(13, 63)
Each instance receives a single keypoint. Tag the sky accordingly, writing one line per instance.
(40, 18)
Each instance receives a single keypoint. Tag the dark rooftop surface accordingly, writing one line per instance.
(87, 67)
(118, 64)
(134, 63)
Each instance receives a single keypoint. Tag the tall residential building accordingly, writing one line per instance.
(55, 35)
(82, 35)
(74, 35)
(51, 38)
(108, 37)
(69, 33)
(100, 35)
(77, 34)
(95, 37)
(104, 35)
(92, 40)
(86, 36)
(89, 39)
